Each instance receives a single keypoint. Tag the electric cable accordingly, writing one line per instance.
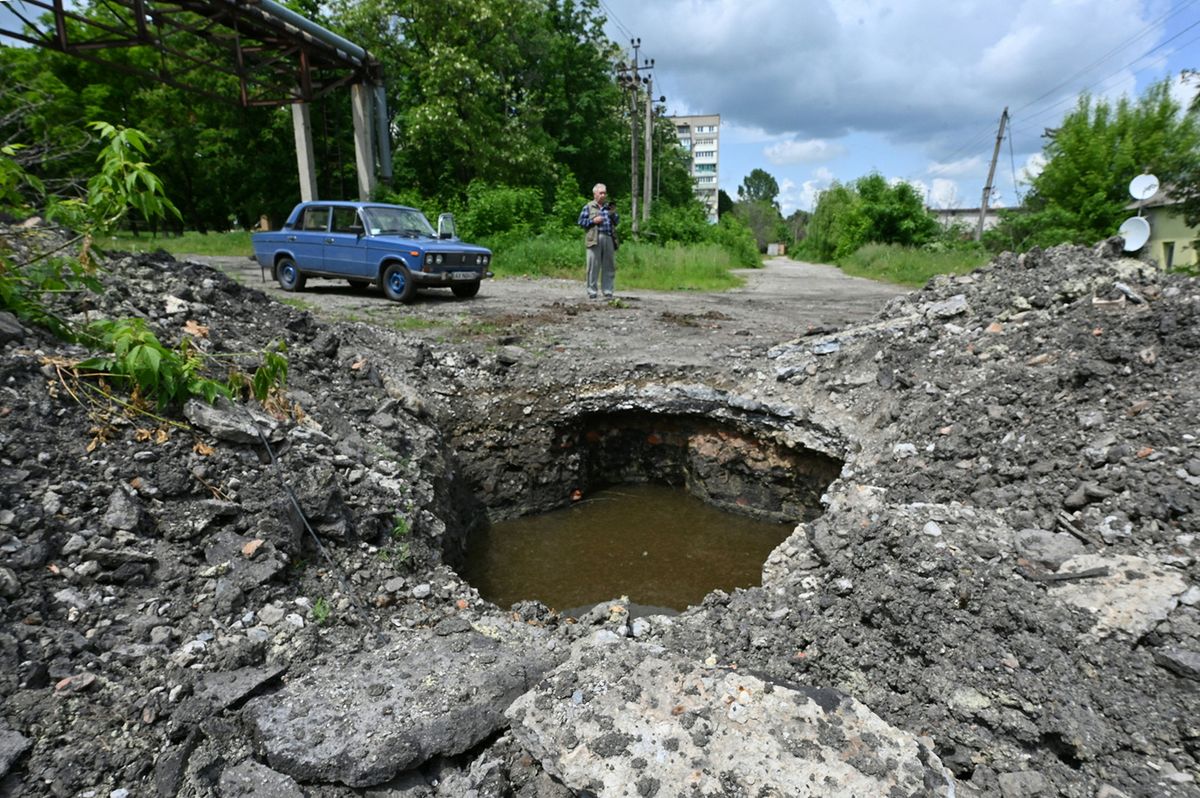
(1140, 34)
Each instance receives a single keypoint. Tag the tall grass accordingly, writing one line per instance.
(674, 267)
(190, 243)
(908, 265)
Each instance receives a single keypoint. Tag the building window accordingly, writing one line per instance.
(710, 168)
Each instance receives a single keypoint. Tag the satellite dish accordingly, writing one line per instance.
(1136, 232)
(1143, 187)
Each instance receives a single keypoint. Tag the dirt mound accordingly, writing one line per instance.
(1006, 566)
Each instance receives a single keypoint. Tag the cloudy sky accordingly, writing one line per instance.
(819, 90)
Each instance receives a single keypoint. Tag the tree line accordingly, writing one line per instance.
(490, 94)
(1080, 195)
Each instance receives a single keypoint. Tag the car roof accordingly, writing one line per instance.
(356, 204)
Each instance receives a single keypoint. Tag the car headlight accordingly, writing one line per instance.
(428, 258)
(438, 260)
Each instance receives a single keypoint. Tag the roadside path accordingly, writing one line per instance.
(779, 302)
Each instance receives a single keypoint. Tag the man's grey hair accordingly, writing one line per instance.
(599, 186)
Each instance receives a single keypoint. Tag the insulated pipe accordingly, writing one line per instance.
(383, 137)
(345, 48)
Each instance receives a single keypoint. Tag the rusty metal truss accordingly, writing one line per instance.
(259, 52)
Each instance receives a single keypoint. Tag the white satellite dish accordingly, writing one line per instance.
(1143, 187)
(1136, 232)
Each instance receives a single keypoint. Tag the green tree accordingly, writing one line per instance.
(797, 225)
(724, 203)
(896, 213)
(501, 91)
(1081, 195)
(868, 211)
(838, 225)
(758, 186)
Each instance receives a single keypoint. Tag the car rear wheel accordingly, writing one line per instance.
(465, 290)
(289, 276)
(398, 284)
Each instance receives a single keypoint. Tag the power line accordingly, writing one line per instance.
(626, 32)
(1143, 32)
(979, 138)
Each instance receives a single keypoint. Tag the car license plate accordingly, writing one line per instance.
(464, 276)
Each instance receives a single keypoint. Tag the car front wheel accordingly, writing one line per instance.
(465, 290)
(289, 276)
(398, 284)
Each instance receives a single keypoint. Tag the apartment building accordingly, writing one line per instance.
(701, 137)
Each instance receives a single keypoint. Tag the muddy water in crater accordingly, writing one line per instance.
(659, 546)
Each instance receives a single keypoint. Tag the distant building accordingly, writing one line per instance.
(1172, 243)
(966, 217)
(701, 137)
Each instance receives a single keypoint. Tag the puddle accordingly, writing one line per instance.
(658, 545)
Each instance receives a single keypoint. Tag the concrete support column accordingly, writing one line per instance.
(361, 98)
(305, 160)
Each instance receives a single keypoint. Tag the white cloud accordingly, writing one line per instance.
(1184, 89)
(810, 151)
(920, 71)
(805, 195)
(943, 194)
(1033, 167)
(963, 166)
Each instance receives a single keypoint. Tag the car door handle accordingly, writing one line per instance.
(291, 238)
(329, 241)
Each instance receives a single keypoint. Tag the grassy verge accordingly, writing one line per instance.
(909, 266)
(190, 243)
(674, 267)
(696, 267)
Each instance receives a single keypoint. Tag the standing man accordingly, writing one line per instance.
(599, 219)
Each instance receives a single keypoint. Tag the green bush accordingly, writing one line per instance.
(910, 266)
(736, 239)
(687, 224)
(498, 209)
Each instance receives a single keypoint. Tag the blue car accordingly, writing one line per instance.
(367, 243)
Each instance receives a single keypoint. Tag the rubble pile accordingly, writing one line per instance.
(1000, 598)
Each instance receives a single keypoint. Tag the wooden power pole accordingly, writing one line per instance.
(987, 190)
(630, 78)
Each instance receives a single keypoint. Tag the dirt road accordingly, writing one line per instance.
(781, 301)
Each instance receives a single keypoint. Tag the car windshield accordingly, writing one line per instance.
(399, 221)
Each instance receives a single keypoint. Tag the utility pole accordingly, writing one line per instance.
(987, 190)
(630, 78)
(648, 185)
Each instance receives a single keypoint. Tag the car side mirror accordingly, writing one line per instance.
(446, 226)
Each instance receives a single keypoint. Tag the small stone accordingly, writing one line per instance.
(394, 585)
(251, 548)
(295, 620)
(88, 569)
(1022, 784)
(1180, 662)
(422, 591)
(77, 683)
(75, 543)
(932, 528)
(10, 585)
